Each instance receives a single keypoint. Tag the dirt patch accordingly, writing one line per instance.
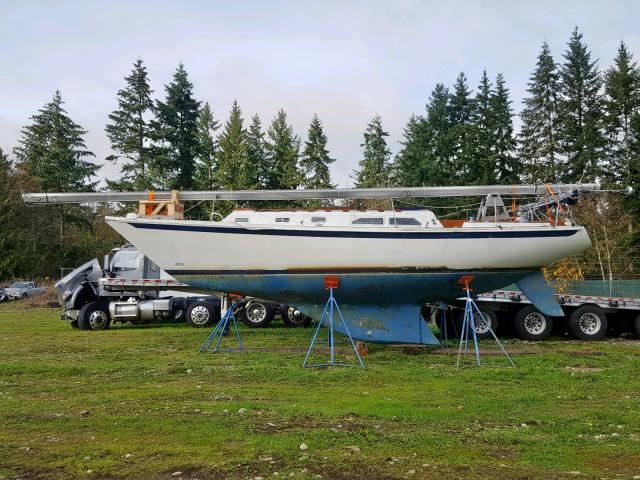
(582, 369)
(619, 464)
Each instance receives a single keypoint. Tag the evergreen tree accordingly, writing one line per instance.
(374, 166)
(283, 149)
(315, 158)
(622, 102)
(462, 132)
(176, 133)
(129, 131)
(539, 143)
(258, 162)
(411, 159)
(581, 135)
(425, 158)
(53, 151)
(232, 153)
(504, 143)
(207, 149)
(482, 165)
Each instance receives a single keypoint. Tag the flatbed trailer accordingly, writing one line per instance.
(587, 317)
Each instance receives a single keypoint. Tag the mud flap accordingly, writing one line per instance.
(538, 291)
(381, 324)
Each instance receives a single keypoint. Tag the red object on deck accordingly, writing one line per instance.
(331, 281)
(466, 281)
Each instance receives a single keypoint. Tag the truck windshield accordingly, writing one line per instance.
(19, 285)
(126, 261)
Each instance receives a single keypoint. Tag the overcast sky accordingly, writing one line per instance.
(346, 60)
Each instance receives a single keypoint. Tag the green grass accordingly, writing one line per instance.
(121, 404)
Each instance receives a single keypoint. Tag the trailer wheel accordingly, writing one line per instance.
(588, 322)
(202, 314)
(257, 314)
(531, 324)
(94, 316)
(636, 325)
(292, 317)
(488, 319)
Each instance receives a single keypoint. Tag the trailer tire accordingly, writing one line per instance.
(94, 316)
(531, 324)
(257, 314)
(290, 319)
(636, 325)
(202, 314)
(482, 327)
(588, 322)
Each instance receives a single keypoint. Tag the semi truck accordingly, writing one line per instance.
(129, 287)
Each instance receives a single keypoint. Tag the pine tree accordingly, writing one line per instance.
(539, 139)
(504, 143)
(425, 158)
(129, 131)
(258, 162)
(207, 149)
(374, 166)
(411, 159)
(315, 159)
(581, 135)
(622, 103)
(176, 133)
(232, 151)
(283, 149)
(462, 132)
(482, 166)
(53, 151)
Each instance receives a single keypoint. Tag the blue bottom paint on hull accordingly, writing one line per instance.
(380, 307)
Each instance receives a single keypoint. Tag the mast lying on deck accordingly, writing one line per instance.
(339, 193)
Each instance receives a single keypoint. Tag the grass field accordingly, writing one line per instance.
(140, 402)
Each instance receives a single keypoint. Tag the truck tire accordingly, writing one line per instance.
(482, 324)
(94, 316)
(636, 325)
(531, 324)
(292, 317)
(588, 322)
(257, 314)
(202, 314)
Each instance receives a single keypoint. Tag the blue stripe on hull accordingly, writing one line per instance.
(418, 234)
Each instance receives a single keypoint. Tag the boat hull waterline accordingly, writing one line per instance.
(385, 273)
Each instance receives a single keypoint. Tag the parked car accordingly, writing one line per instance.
(3, 295)
(23, 290)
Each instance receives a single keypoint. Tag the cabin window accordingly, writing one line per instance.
(242, 220)
(403, 221)
(368, 221)
(126, 261)
(282, 220)
(318, 219)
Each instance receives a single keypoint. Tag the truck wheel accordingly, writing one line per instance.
(257, 314)
(588, 322)
(202, 314)
(24, 296)
(292, 317)
(530, 324)
(94, 316)
(636, 325)
(488, 319)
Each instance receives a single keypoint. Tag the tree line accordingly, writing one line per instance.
(578, 124)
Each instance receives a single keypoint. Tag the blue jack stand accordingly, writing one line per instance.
(469, 325)
(442, 325)
(220, 330)
(330, 283)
